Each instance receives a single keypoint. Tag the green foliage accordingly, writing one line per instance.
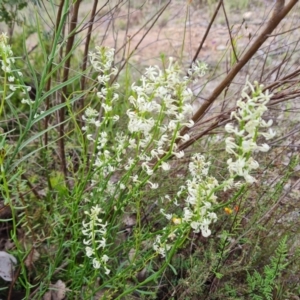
(80, 213)
(9, 10)
(261, 286)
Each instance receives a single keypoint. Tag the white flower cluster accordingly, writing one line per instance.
(7, 63)
(160, 106)
(200, 197)
(160, 246)
(95, 231)
(200, 190)
(197, 70)
(106, 157)
(102, 61)
(164, 95)
(7, 58)
(249, 117)
(199, 194)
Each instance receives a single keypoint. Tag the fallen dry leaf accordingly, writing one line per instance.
(57, 291)
(7, 262)
(31, 257)
(47, 296)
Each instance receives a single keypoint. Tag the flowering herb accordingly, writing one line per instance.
(159, 107)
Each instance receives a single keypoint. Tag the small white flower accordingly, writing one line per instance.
(90, 137)
(168, 216)
(196, 226)
(187, 214)
(206, 232)
(105, 258)
(165, 166)
(106, 107)
(147, 169)
(230, 145)
(27, 101)
(89, 251)
(190, 124)
(237, 166)
(231, 129)
(102, 243)
(116, 118)
(86, 242)
(264, 148)
(179, 154)
(249, 179)
(263, 123)
(172, 235)
(135, 178)
(268, 135)
(91, 113)
(153, 186)
(185, 138)
(248, 145)
(252, 164)
(96, 263)
(228, 184)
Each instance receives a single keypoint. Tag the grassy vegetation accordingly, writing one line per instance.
(126, 181)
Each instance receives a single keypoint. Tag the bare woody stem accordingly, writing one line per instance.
(279, 13)
(86, 50)
(70, 42)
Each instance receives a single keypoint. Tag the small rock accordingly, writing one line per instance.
(247, 15)
(221, 48)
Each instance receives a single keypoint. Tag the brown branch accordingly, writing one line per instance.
(277, 16)
(223, 117)
(85, 54)
(32, 188)
(283, 80)
(138, 44)
(98, 19)
(206, 32)
(70, 42)
(229, 32)
(48, 86)
(279, 5)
